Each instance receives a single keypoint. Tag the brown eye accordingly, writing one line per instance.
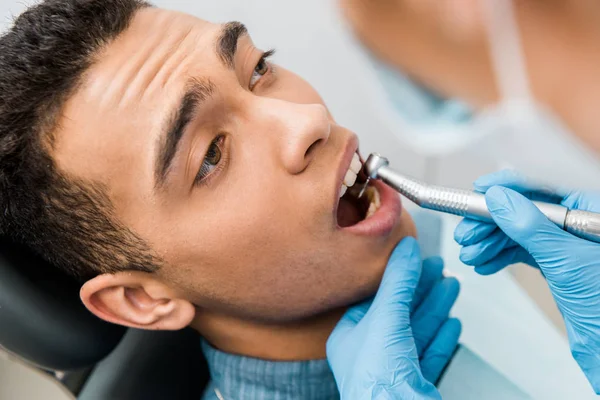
(212, 158)
(262, 67)
(213, 155)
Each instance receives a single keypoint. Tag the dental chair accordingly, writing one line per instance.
(43, 322)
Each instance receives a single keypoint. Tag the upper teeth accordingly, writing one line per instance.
(351, 174)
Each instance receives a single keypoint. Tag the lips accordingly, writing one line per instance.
(382, 222)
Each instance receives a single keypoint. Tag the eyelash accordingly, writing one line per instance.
(263, 60)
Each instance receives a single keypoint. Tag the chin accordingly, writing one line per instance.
(404, 228)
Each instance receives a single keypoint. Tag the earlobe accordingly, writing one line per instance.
(136, 300)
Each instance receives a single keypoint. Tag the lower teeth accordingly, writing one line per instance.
(374, 200)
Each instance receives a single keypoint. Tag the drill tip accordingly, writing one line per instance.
(364, 187)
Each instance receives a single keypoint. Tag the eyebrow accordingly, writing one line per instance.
(228, 40)
(197, 92)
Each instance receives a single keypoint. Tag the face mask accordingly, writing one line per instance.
(518, 132)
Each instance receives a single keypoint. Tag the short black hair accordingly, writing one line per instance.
(68, 221)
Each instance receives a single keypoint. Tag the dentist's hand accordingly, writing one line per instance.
(570, 265)
(374, 351)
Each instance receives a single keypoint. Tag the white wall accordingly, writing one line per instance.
(10, 8)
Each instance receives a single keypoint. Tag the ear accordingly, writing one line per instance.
(137, 300)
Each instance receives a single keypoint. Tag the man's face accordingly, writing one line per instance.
(229, 167)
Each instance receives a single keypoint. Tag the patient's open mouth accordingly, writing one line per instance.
(351, 209)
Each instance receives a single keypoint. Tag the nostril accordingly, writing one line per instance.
(312, 148)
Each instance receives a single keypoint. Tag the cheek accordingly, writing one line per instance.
(243, 231)
(226, 252)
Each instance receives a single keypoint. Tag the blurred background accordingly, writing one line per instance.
(312, 40)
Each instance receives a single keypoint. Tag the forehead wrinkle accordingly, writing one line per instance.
(156, 55)
(158, 60)
(178, 60)
(129, 64)
(176, 65)
(163, 68)
(125, 64)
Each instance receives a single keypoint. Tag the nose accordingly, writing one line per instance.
(302, 129)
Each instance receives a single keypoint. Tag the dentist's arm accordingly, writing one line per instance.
(378, 351)
(570, 265)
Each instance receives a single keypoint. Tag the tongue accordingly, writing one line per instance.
(348, 213)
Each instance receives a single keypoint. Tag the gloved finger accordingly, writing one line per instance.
(470, 231)
(440, 352)
(355, 313)
(399, 280)
(507, 257)
(487, 249)
(524, 223)
(434, 311)
(349, 320)
(589, 201)
(512, 179)
(430, 275)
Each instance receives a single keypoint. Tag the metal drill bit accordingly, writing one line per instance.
(363, 188)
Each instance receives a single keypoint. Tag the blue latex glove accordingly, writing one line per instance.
(436, 335)
(570, 265)
(372, 351)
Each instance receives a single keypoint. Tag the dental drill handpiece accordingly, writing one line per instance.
(470, 204)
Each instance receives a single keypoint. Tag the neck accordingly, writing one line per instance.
(294, 341)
